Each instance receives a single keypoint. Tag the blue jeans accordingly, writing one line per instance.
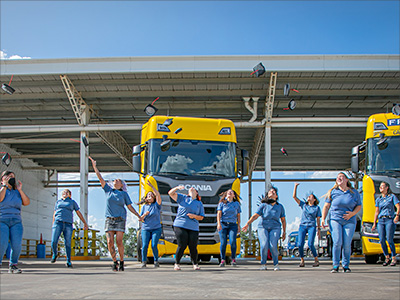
(228, 230)
(386, 228)
(154, 236)
(66, 229)
(11, 229)
(342, 235)
(312, 230)
(269, 238)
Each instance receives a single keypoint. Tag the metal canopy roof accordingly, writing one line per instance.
(336, 95)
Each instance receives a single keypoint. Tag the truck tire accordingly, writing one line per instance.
(371, 259)
(204, 257)
(296, 253)
(139, 246)
(150, 260)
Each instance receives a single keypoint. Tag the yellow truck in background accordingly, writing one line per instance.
(382, 163)
(195, 152)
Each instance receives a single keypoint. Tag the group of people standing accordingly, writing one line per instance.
(342, 200)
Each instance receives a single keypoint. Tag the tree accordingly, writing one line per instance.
(129, 241)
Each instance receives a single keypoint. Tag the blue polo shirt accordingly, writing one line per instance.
(11, 205)
(270, 215)
(229, 210)
(386, 205)
(153, 220)
(188, 205)
(342, 202)
(115, 202)
(64, 209)
(310, 214)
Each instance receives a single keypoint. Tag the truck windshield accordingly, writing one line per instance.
(191, 158)
(383, 158)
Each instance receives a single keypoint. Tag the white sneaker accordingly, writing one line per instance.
(276, 268)
(263, 268)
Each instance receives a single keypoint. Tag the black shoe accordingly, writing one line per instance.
(121, 266)
(69, 265)
(14, 270)
(386, 263)
(335, 270)
(115, 266)
(346, 270)
(53, 259)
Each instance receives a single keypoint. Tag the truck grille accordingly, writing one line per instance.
(208, 234)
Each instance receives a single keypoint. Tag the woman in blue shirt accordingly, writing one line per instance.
(151, 224)
(186, 224)
(269, 228)
(228, 223)
(11, 200)
(310, 221)
(344, 203)
(116, 201)
(385, 205)
(62, 222)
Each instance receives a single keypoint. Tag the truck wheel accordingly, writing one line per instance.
(150, 260)
(204, 258)
(139, 247)
(228, 260)
(309, 253)
(296, 253)
(371, 259)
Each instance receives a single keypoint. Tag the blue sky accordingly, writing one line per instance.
(66, 29)
(71, 29)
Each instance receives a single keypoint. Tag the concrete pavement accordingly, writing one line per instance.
(95, 280)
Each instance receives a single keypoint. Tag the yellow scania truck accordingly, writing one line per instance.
(382, 163)
(195, 152)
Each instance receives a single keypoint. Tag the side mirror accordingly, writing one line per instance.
(245, 162)
(136, 160)
(355, 160)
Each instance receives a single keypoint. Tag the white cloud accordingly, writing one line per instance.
(293, 226)
(176, 163)
(4, 55)
(95, 223)
(131, 220)
(324, 174)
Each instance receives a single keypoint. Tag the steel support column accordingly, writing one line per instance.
(84, 167)
(84, 171)
(250, 205)
(269, 107)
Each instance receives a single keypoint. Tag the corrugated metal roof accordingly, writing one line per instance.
(118, 89)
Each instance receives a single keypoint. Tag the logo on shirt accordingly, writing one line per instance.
(199, 187)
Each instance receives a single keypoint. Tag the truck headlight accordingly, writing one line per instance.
(367, 229)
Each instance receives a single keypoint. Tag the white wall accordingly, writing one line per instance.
(36, 217)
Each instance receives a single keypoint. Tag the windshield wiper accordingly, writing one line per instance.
(388, 172)
(210, 174)
(173, 173)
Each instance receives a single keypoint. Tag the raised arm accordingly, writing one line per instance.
(156, 192)
(101, 179)
(295, 193)
(172, 192)
(4, 183)
(25, 199)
